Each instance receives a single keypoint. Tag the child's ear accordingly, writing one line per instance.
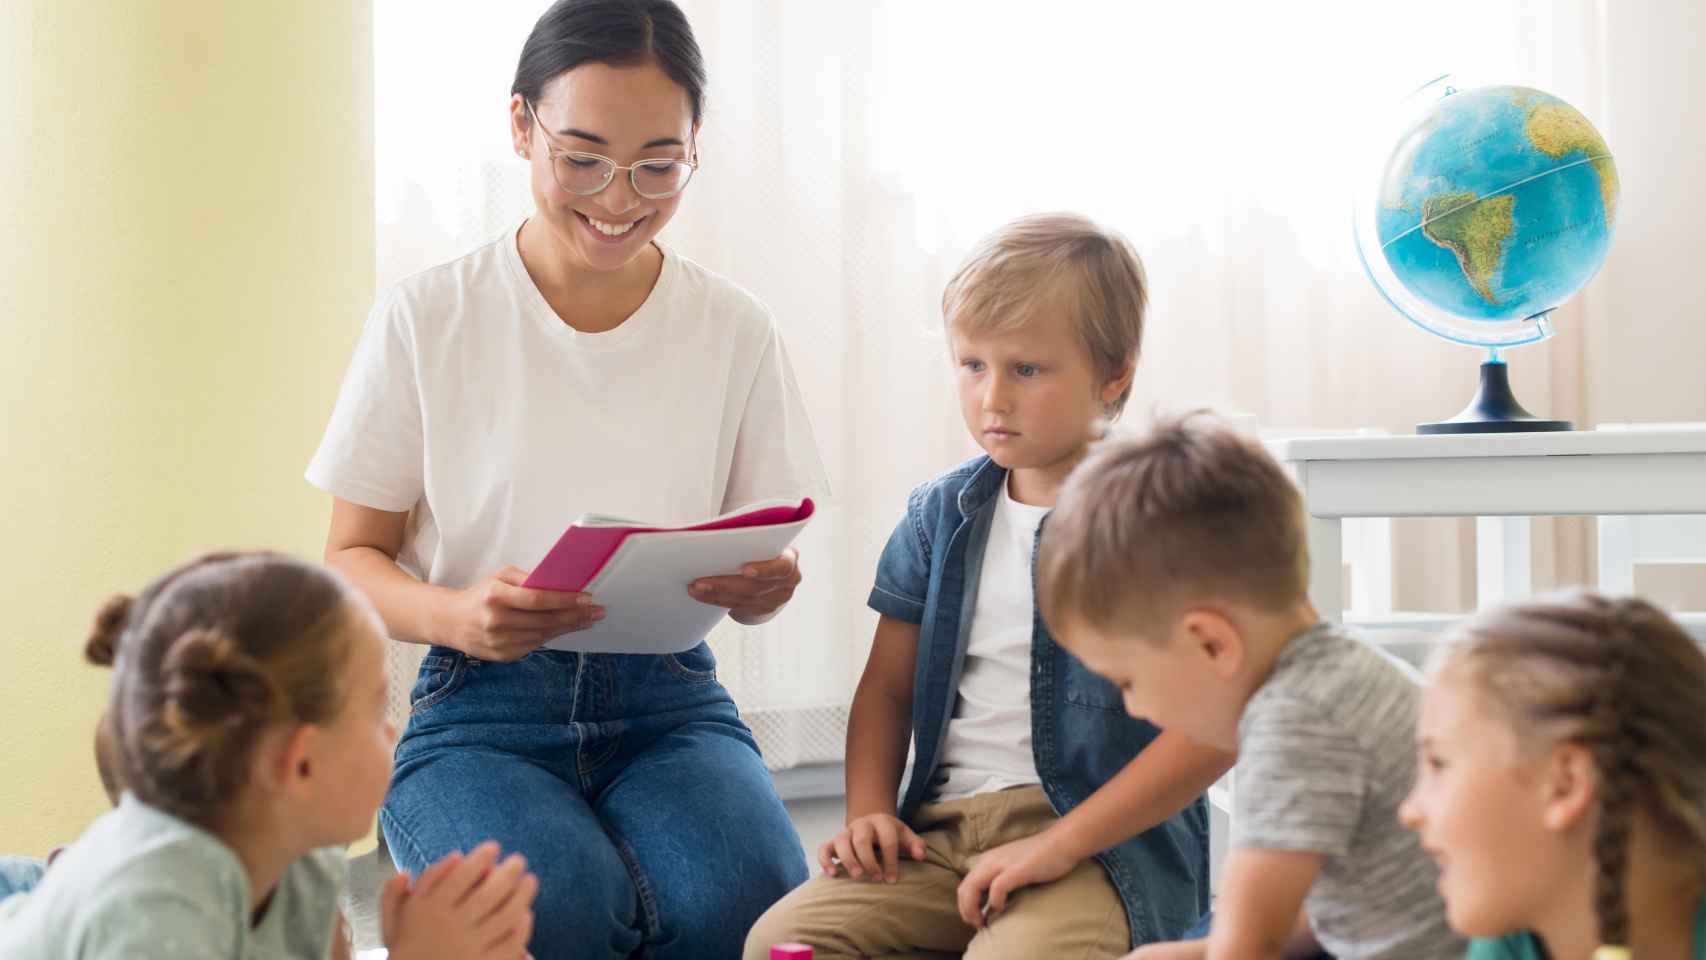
(1215, 637)
(1569, 784)
(1113, 388)
(288, 759)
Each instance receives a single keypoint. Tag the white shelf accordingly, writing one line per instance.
(1634, 439)
(1629, 470)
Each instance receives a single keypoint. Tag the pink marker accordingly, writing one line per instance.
(790, 951)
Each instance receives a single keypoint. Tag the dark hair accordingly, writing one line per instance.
(204, 660)
(1190, 511)
(1618, 676)
(620, 32)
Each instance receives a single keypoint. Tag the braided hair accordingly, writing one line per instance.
(1622, 679)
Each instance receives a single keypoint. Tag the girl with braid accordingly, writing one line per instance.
(246, 732)
(1562, 787)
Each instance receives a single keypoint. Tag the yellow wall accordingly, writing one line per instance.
(186, 190)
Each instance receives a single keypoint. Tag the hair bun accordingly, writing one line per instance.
(210, 682)
(110, 622)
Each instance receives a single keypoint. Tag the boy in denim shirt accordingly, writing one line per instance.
(1038, 816)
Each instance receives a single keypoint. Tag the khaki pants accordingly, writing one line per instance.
(1077, 916)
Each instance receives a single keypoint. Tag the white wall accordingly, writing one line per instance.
(1647, 314)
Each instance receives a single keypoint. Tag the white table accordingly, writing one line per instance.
(1501, 479)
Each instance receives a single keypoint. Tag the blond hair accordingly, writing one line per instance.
(203, 662)
(1621, 678)
(1060, 261)
(1188, 513)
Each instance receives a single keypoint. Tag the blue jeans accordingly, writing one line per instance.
(629, 782)
(19, 874)
(1200, 932)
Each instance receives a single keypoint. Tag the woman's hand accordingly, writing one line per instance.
(501, 620)
(755, 596)
(461, 908)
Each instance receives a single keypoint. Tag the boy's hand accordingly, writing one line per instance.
(999, 872)
(461, 907)
(870, 846)
(755, 595)
(1177, 950)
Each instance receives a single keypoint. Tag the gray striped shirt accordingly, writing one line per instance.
(1326, 753)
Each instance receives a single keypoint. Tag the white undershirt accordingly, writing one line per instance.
(988, 746)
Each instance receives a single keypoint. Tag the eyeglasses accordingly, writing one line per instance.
(584, 174)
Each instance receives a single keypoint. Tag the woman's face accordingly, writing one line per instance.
(625, 113)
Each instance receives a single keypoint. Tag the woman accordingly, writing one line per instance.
(575, 365)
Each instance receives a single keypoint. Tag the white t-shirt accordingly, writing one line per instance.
(988, 746)
(472, 405)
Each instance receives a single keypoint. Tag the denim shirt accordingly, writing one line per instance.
(1081, 735)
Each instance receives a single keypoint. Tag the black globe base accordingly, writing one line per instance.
(1494, 409)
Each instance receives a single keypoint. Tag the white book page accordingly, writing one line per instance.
(643, 587)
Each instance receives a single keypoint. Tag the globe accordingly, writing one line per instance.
(1493, 205)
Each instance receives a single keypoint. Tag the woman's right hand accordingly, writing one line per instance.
(501, 620)
(461, 908)
(870, 847)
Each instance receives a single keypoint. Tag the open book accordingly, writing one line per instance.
(639, 573)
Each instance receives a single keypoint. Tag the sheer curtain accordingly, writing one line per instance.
(852, 152)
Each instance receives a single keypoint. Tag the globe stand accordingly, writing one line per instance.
(1494, 409)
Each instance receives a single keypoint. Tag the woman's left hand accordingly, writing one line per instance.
(756, 596)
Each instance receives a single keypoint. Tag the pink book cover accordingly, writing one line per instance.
(582, 551)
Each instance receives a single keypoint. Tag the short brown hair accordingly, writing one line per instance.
(1191, 512)
(1618, 676)
(1066, 261)
(208, 657)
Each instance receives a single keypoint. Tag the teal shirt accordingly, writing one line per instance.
(141, 884)
(1526, 946)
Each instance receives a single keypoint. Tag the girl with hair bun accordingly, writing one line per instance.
(246, 727)
(1562, 787)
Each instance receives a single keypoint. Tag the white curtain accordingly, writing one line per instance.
(854, 150)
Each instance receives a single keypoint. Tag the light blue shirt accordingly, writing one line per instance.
(141, 884)
(1526, 946)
